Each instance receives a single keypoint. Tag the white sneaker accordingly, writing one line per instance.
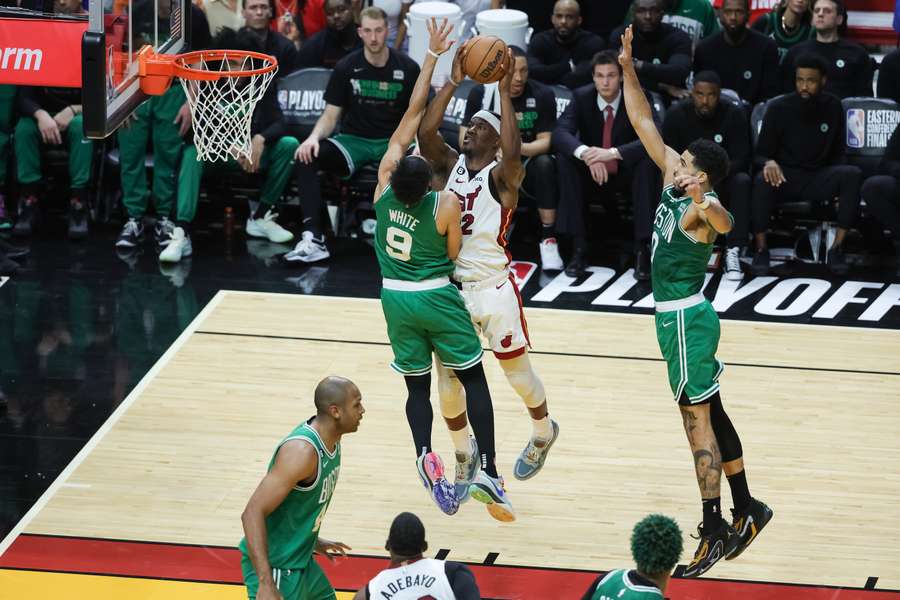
(550, 258)
(308, 249)
(733, 264)
(179, 247)
(267, 227)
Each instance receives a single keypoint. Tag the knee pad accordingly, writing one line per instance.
(524, 380)
(727, 437)
(451, 393)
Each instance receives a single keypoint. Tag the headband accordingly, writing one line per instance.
(490, 118)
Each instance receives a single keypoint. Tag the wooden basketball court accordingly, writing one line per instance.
(818, 409)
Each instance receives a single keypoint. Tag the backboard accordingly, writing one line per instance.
(117, 30)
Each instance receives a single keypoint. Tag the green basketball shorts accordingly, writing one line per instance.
(688, 339)
(422, 322)
(308, 583)
(359, 151)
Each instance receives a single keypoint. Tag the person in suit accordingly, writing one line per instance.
(598, 150)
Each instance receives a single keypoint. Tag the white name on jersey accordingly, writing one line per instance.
(403, 219)
(422, 578)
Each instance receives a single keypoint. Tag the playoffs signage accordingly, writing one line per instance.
(870, 123)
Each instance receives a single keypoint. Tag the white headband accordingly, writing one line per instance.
(490, 118)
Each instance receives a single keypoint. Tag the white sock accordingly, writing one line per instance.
(542, 427)
(461, 440)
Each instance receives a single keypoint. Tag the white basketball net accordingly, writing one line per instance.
(222, 109)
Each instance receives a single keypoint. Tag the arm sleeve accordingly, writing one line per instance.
(336, 93)
(27, 101)
(462, 581)
(540, 66)
(738, 135)
(546, 109)
(676, 71)
(473, 102)
(564, 140)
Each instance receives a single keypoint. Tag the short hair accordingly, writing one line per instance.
(517, 52)
(745, 2)
(708, 77)
(710, 158)
(809, 60)
(330, 391)
(606, 57)
(407, 535)
(575, 2)
(374, 13)
(656, 544)
(411, 179)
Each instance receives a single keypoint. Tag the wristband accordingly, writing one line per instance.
(702, 205)
(433, 53)
(453, 83)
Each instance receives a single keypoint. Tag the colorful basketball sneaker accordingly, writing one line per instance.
(492, 492)
(466, 468)
(748, 525)
(533, 456)
(714, 546)
(431, 471)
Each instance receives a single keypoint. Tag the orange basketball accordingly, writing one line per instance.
(485, 59)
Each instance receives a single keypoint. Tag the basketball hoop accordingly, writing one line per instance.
(222, 89)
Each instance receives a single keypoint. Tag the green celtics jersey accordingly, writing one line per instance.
(618, 585)
(678, 261)
(407, 242)
(293, 527)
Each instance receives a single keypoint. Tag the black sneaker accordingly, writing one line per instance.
(163, 231)
(78, 220)
(713, 547)
(26, 216)
(748, 525)
(836, 261)
(760, 264)
(131, 234)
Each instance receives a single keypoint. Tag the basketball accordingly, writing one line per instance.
(485, 60)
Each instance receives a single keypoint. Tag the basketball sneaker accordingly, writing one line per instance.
(178, 247)
(162, 231)
(431, 471)
(550, 258)
(131, 235)
(268, 228)
(748, 525)
(714, 546)
(491, 491)
(533, 456)
(466, 468)
(308, 250)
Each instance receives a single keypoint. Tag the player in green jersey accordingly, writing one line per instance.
(656, 547)
(282, 519)
(688, 220)
(417, 235)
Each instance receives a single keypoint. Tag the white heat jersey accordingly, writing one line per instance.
(424, 578)
(485, 224)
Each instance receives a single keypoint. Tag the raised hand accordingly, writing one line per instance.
(508, 70)
(437, 36)
(456, 72)
(691, 186)
(625, 58)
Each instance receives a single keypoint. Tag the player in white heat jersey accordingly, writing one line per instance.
(486, 177)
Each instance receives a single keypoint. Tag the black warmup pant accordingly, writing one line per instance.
(638, 180)
(882, 196)
(312, 204)
(818, 187)
(540, 181)
(734, 192)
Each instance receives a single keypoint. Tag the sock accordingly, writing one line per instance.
(261, 210)
(461, 440)
(418, 411)
(481, 414)
(548, 231)
(740, 492)
(712, 514)
(309, 224)
(542, 428)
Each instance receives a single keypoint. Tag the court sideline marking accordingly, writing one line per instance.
(92, 443)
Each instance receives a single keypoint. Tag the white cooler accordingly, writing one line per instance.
(417, 30)
(511, 26)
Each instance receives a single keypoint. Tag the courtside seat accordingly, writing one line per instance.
(870, 123)
(301, 96)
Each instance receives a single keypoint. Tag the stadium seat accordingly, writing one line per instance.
(301, 96)
(563, 98)
(870, 123)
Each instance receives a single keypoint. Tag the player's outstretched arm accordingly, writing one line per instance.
(510, 172)
(431, 144)
(296, 461)
(406, 131)
(639, 112)
(448, 222)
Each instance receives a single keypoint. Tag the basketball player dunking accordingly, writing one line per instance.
(417, 233)
(688, 220)
(488, 192)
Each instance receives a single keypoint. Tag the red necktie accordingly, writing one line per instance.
(612, 166)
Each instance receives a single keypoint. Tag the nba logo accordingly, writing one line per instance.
(856, 128)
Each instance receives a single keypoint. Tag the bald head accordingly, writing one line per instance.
(566, 19)
(332, 391)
